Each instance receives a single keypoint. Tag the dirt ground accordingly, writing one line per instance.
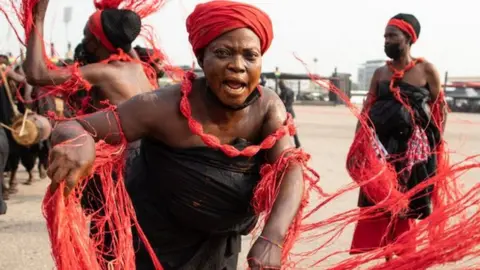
(325, 133)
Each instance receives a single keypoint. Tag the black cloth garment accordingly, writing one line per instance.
(4, 150)
(394, 127)
(6, 110)
(193, 204)
(27, 156)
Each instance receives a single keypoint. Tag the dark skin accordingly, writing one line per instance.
(422, 74)
(122, 80)
(233, 55)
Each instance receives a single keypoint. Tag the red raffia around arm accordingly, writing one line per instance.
(268, 188)
(72, 245)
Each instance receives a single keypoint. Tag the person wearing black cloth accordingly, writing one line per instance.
(288, 97)
(418, 83)
(106, 31)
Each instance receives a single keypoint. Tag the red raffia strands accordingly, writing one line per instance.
(449, 234)
(437, 237)
(22, 10)
(272, 174)
(72, 247)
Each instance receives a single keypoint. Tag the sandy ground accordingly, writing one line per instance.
(325, 132)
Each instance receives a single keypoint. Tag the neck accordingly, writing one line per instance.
(402, 62)
(217, 112)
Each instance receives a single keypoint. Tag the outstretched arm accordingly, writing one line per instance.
(133, 118)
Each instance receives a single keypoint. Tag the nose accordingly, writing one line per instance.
(388, 40)
(237, 64)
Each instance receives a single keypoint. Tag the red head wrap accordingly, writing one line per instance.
(212, 19)
(96, 28)
(405, 27)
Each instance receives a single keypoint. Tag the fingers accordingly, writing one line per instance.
(52, 171)
(71, 180)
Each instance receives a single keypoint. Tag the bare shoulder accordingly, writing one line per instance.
(150, 112)
(162, 98)
(429, 68)
(272, 106)
(270, 98)
(381, 71)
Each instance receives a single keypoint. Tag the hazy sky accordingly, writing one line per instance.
(340, 33)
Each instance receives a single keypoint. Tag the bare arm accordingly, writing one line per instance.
(137, 116)
(371, 93)
(16, 77)
(433, 80)
(27, 96)
(291, 189)
(36, 69)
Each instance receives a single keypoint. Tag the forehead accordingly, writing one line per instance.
(242, 37)
(86, 31)
(392, 30)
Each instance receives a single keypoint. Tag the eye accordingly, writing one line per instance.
(251, 56)
(222, 53)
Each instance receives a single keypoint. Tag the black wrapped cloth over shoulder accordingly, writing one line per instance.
(394, 127)
(193, 204)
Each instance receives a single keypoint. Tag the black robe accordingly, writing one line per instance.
(394, 126)
(193, 204)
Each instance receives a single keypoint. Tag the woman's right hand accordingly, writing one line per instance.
(71, 161)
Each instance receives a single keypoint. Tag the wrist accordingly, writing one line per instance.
(39, 19)
(274, 234)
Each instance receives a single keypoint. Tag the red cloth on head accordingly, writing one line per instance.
(95, 26)
(212, 19)
(405, 27)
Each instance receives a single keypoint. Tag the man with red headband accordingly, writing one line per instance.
(198, 169)
(107, 31)
(406, 108)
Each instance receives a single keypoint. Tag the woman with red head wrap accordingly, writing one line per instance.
(403, 143)
(200, 171)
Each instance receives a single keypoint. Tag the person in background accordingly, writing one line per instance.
(288, 97)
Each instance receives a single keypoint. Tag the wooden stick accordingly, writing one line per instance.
(24, 122)
(7, 127)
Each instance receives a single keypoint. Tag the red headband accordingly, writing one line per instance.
(96, 28)
(405, 27)
(212, 19)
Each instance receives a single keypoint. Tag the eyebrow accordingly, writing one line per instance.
(230, 47)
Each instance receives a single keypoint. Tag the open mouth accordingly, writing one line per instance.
(234, 86)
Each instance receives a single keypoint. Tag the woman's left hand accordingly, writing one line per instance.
(264, 255)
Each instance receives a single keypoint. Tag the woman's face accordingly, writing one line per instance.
(232, 64)
(90, 46)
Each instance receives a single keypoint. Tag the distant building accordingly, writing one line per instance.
(365, 73)
(457, 79)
